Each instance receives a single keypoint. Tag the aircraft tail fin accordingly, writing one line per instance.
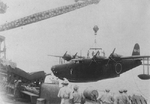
(136, 50)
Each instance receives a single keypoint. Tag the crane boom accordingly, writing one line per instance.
(45, 15)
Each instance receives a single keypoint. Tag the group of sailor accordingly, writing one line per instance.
(75, 97)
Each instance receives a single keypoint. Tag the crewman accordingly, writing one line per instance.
(138, 99)
(17, 89)
(107, 97)
(65, 93)
(121, 98)
(77, 96)
(128, 97)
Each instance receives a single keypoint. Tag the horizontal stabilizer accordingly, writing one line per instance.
(146, 64)
(136, 57)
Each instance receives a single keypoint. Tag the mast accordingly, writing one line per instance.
(2, 51)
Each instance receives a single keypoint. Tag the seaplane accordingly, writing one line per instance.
(100, 67)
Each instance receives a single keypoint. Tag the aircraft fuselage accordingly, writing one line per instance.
(85, 70)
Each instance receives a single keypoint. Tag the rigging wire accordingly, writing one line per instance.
(138, 87)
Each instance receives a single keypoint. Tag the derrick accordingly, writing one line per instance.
(45, 15)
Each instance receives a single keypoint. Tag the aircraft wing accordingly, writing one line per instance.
(106, 59)
(55, 56)
(78, 59)
(135, 57)
(89, 59)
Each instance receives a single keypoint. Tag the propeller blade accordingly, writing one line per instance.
(75, 55)
(90, 63)
(64, 54)
(110, 57)
(93, 59)
(107, 62)
(113, 50)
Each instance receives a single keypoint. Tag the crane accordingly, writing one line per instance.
(46, 14)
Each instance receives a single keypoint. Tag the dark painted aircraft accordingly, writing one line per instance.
(98, 67)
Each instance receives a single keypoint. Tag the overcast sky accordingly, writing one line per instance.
(122, 23)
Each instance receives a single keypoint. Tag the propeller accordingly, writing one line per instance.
(93, 59)
(67, 57)
(111, 57)
(64, 55)
(74, 56)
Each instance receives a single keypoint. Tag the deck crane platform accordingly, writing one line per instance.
(46, 14)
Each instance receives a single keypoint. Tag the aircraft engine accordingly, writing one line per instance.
(116, 56)
(118, 68)
(66, 57)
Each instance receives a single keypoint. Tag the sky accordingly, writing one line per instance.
(122, 23)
